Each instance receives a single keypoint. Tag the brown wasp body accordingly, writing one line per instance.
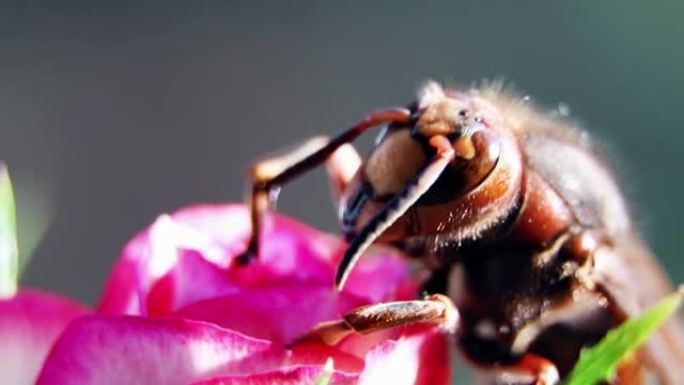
(522, 225)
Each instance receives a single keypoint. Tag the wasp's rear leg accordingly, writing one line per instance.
(434, 309)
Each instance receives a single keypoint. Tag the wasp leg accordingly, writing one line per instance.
(396, 207)
(342, 166)
(268, 175)
(542, 371)
(434, 309)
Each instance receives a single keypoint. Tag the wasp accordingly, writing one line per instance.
(522, 225)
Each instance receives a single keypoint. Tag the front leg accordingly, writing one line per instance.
(263, 194)
(540, 370)
(435, 309)
(269, 175)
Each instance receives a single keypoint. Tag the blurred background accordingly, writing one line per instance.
(111, 114)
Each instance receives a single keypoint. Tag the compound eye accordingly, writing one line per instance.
(486, 149)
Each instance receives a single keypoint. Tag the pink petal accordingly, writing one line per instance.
(382, 275)
(317, 353)
(30, 322)
(217, 233)
(279, 314)
(299, 375)
(290, 250)
(160, 268)
(180, 286)
(124, 350)
(421, 359)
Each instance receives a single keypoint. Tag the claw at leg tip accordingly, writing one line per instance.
(244, 259)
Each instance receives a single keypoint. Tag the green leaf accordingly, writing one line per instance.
(34, 216)
(324, 378)
(9, 255)
(600, 361)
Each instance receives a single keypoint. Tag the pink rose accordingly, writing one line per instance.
(178, 310)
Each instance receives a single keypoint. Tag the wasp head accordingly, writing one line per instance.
(466, 195)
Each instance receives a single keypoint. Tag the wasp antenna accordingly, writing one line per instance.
(395, 208)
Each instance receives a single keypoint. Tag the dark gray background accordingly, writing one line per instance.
(113, 113)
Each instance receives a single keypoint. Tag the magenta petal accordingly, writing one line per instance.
(421, 359)
(102, 350)
(192, 279)
(288, 245)
(30, 322)
(216, 233)
(151, 255)
(278, 314)
(300, 375)
(161, 267)
(381, 275)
